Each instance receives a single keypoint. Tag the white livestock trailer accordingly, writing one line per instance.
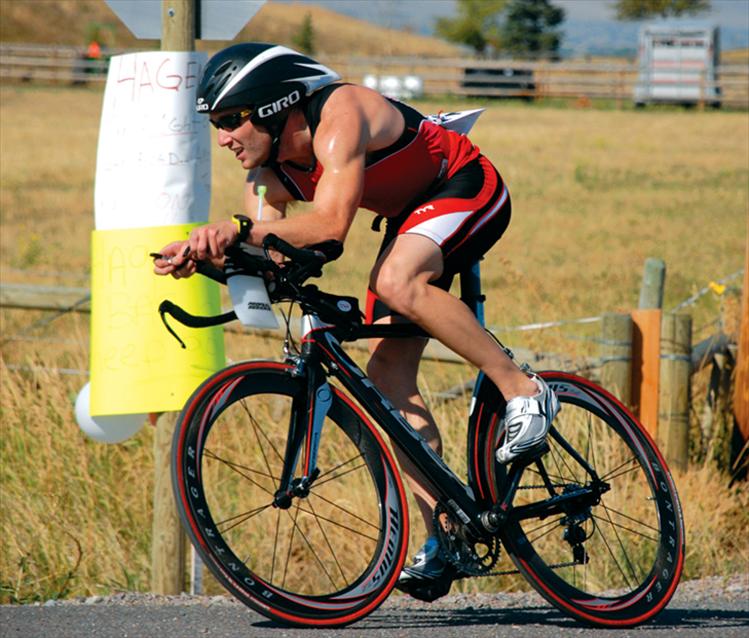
(678, 64)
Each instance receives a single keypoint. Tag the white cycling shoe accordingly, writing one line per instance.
(526, 423)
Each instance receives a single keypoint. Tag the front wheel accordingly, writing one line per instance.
(612, 553)
(334, 554)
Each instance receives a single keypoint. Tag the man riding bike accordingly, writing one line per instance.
(304, 135)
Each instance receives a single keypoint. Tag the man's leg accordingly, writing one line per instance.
(401, 280)
(393, 367)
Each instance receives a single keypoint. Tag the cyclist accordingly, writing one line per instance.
(304, 135)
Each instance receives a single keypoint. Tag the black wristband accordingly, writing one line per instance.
(244, 225)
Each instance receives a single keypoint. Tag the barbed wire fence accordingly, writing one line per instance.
(579, 365)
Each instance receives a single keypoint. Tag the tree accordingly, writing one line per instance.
(477, 24)
(529, 28)
(304, 39)
(642, 9)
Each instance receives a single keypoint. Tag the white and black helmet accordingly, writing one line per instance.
(266, 78)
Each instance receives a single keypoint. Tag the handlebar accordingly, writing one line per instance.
(285, 280)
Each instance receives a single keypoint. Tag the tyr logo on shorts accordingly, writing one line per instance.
(424, 209)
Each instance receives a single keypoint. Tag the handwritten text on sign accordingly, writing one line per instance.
(136, 365)
(153, 162)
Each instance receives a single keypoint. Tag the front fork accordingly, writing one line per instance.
(308, 412)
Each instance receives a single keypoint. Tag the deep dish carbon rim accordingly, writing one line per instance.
(331, 557)
(618, 562)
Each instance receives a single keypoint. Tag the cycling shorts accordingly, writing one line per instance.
(465, 216)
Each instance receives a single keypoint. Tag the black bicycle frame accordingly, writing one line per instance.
(321, 350)
(322, 356)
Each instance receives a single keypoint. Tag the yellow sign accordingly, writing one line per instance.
(136, 365)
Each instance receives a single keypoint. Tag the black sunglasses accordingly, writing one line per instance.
(231, 121)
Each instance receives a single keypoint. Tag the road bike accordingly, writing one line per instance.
(292, 498)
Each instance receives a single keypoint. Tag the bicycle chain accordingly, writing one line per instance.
(509, 572)
(461, 554)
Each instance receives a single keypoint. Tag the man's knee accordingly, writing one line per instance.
(396, 290)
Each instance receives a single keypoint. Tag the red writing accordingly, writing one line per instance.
(137, 76)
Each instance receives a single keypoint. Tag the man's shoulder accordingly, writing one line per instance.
(347, 95)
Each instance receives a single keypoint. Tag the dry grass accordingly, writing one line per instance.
(595, 193)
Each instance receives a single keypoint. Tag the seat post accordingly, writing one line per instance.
(470, 290)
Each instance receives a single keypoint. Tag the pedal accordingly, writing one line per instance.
(426, 591)
(533, 454)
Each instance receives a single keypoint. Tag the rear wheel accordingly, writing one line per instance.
(613, 556)
(332, 556)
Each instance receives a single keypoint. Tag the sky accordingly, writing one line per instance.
(589, 24)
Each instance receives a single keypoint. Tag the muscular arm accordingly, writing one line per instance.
(340, 145)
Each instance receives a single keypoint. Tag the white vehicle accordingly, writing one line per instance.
(678, 64)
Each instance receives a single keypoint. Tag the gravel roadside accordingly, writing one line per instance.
(716, 606)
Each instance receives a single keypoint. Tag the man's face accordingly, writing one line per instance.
(250, 145)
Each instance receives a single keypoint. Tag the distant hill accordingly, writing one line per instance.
(73, 22)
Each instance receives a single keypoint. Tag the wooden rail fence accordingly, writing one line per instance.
(440, 76)
(646, 356)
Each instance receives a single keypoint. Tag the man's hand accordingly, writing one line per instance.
(174, 260)
(210, 241)
(206, 243)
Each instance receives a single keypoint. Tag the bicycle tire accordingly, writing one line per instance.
(633, 551)
(335, 554)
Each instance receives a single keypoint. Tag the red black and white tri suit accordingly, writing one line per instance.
(431, 181)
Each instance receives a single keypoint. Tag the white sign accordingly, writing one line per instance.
(154, 160)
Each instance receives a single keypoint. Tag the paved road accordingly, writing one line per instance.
(707, 613)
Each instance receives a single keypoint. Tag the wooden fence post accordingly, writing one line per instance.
(616, 351)
(653, 280)
(168, 539)
(741, 389)
(168, 542)
(675, 373)
(646, 344)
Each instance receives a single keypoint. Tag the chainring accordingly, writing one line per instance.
(469, 556)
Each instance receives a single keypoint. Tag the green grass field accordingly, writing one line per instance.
(595, 192)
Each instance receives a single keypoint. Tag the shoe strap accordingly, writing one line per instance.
(521, 406)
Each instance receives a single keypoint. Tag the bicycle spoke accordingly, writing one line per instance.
(291, 544)
(333, 469)
(309, 546)
(346, 511)
(318, 483)
(341, 525)
(275, 545)
(233, 466)
(608, 519)
(552, 525)
(546, 533)
(634, 520)
(621, 544)
(245, 516)
(613, 556)
(256, 428)
(556, 455)
(327, 541)
(620, 470)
